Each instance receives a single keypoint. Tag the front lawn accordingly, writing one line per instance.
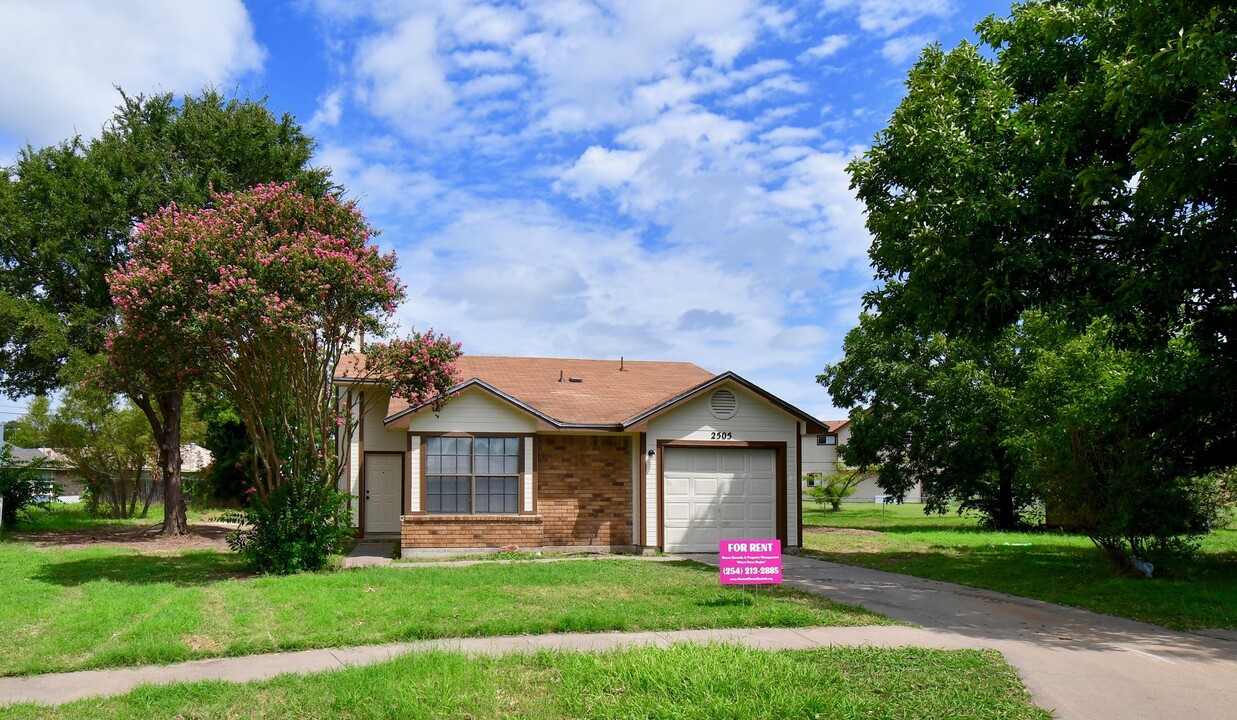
(1048, 565)
(68, 609)
(683, 681)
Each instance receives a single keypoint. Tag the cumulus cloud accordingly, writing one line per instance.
(61, 60)
(886, 17)
(828, 47)
(603, 177)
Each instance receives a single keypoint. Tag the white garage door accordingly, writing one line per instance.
(717, 494)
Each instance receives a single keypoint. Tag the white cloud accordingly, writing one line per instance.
(329, 111)
(828, 47)
(886, 17)
(403, 77)
(904, 48)
(61, 60)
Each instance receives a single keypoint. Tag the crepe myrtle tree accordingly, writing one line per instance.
(258, 295)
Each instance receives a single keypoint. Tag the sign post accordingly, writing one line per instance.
(749, 562)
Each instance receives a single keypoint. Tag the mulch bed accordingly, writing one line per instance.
(202, 536)
(821, 530)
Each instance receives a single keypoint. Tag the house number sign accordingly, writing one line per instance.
(715, 435)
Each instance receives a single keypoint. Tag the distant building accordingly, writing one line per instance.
(820, 455)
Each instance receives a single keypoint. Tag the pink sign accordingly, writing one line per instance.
(750, 562)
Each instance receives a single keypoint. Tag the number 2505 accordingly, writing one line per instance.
(721, 436)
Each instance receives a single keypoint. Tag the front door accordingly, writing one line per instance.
(383, 474)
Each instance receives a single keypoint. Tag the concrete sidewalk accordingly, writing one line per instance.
(66, 687)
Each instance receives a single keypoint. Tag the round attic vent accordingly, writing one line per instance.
(723, 404)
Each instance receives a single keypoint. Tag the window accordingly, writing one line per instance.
(465, 475)
(826, 439)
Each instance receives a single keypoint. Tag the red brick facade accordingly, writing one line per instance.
(584, 489)
(470, 531)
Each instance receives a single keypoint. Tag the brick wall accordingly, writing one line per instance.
(584, 489)
(470, 531)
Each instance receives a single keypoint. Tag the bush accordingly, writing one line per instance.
(296, 527)
(21, 485)
(834, 487)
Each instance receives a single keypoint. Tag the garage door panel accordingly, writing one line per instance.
(679, 512)
(705, 486)
(760, 487)
(678, 486)
(676, 462)
(728, 493)
(701, 463)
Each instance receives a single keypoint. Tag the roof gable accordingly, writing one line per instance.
(571, 392)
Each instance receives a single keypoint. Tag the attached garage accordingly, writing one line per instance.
(718, 493)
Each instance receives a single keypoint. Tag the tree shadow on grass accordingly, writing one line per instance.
(188, 569)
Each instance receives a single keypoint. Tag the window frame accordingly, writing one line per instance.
(472, 475)
(827, 440)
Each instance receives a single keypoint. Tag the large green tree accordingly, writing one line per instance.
(1082, 164)
(942, 412)
(67, 213)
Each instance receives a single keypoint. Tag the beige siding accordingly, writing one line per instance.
(756, 421)
(377, 437)
(528, 474)
(414, 474)
(476, 411)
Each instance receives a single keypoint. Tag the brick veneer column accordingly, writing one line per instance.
(584, 489)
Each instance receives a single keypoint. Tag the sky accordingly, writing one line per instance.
(658, 180)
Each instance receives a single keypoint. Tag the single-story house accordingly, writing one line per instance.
(820, 455)
(556, 453)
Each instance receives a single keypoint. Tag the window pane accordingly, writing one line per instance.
(511, 465)
(433, 446)
(512, 446)
(433, 463)
(482, 446)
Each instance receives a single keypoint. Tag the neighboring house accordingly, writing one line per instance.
(820, 454)
(56, 474)
(547, 452)
(60, 469)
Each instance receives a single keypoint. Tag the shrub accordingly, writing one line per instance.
(21, 486)
(296, 527)
(834, 487)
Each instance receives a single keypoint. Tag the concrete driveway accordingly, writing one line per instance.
(1079, 664)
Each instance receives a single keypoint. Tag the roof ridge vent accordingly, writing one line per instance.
(723, 404)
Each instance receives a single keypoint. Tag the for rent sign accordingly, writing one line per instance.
(750, 562)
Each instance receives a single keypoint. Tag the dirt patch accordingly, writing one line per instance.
(202, 536)
(821, 530)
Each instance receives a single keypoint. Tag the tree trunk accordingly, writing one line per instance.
(174, 520)
(1006, 519)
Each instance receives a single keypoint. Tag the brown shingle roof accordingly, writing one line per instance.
(603, 395)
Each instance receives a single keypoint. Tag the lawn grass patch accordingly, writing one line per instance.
(688, 682)
(69, 609)
(1046, 565)
(65, 517)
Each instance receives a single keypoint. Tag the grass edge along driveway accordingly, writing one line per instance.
(73, 609)
(1044, 565)
(682, 681)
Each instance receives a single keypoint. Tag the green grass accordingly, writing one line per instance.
(67, 609)
(683, 681)
(65, 517)
(1050, 565)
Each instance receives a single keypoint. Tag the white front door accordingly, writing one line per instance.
(713, 494)
(383, 475)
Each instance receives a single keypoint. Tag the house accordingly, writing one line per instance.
(820, 455)
(558, 453)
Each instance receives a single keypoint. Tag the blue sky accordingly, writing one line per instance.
(655, 180)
